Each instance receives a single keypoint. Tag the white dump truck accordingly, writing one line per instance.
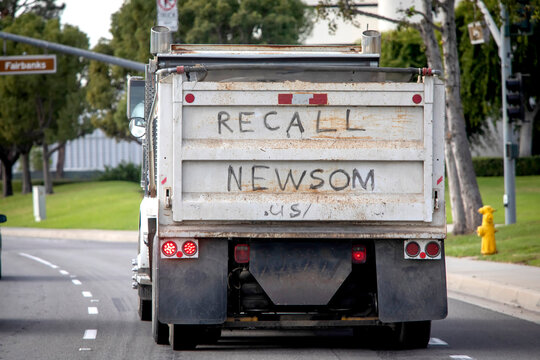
(288, 187)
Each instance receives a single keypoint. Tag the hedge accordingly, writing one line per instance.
(487, 166)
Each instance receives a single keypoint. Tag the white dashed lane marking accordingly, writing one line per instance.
(92, 310)
(437, 342)
(39, 260)
(90, 334)
(461, 357)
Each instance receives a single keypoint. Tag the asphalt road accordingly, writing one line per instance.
(62, 299)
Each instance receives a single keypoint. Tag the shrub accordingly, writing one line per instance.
(484, 166)
(124, 171)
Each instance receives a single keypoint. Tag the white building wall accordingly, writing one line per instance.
(96, 150)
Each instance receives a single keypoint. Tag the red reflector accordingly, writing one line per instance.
(433, 249)
(412, 249)
(190, 98)
(169, 248)
(417, 98)
(189, 248)
(241, 253)
(359, 254)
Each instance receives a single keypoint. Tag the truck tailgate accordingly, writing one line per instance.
(297, 151)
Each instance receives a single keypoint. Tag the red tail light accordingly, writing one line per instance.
(241, 253)
(189, 248)
(359, 254)
(422, 249)
(433, 249)
(412, 249)
(169, 248)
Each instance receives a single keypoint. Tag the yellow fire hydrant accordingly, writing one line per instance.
(487, 231)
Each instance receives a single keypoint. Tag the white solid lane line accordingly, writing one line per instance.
(39, 260)
(87, 294)
(76, 282)
(90, 334)
(92, 310)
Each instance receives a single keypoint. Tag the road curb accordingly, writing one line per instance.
(73, 234)
(527, 299)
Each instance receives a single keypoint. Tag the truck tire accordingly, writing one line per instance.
(145, 302)
(160, 332)
(187, 337)
(145, 309)
(412, 335)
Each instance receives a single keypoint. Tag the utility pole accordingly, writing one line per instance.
(502, 39)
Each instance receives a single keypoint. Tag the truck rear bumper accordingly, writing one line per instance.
(305, 231)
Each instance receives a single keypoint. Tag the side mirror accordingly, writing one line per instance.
(3, 218)
(137, 127)
(135, 96)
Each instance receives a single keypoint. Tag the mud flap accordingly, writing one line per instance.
(409, 290)
(194, 291)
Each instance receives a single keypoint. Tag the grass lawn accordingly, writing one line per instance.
(108, 205)
(518, 243)
(492, 190)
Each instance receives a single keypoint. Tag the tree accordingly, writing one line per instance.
(43, 109)
(201, 21)
(9, 153)
(464, 194)
(481, 83)
(45, 8)
(243, 22)
(402, 48)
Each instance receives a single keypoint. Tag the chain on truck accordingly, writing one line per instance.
(288, 187)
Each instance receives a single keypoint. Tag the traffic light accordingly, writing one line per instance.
(521, 22)
(515, 97)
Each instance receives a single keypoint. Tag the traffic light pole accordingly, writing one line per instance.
(509, 198)
(502, 38)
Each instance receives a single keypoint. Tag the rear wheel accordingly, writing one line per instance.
(160, 331)
(145, 309)
(412, 335)
(187, 337)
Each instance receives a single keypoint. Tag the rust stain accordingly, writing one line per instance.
(263, 49)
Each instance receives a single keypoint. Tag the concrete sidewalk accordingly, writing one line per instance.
(82, 234)
(507, 288)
